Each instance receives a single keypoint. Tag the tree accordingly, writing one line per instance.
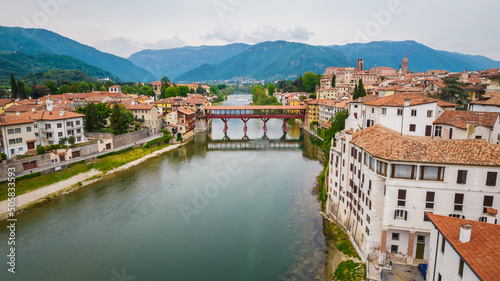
(454, 92)
(120, 119)
(310, 80)
(63, 140)
(13, 86)
(192, 91)
(41, 150)
(355, 93)
(21, 90)
(38, 91)
(71, 140)
(52, 86)
(170, 92)
(271, 89)
(97, 86)
(200, 90)
(108, 84)
(361, 89)
(183, 91)
(147, 90)
(333, 80)
(63, 89)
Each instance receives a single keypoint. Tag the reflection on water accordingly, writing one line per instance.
(192, 214)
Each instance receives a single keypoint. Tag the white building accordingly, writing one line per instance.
(17, 134)
(467, 125)
(408, 114)
(463, 250)
(380, 183)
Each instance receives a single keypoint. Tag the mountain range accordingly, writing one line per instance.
(36, 41)
(262, 61)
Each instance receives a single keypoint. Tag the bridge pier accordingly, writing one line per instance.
(225, 124)
(245, 120)
(265, 122)
(285, 127)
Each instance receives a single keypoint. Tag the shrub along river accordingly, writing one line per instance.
(200, 212)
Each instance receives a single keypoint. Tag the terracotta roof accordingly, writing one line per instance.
(387, 144)
(4, 102)
(185, 111)
(11, 120)
(366, 98)
(50, 115)
(482, 252)
(415, 99)
(21, 108)
(140, 106)
(460, 118)
(491, 98)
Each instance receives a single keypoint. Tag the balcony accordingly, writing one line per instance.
(46, 130)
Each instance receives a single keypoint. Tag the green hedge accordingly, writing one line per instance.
(159, 141)
(28, 176)
(76, 163)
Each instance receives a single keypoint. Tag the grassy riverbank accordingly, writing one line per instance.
(104, 164)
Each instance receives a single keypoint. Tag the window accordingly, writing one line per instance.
(459, 201)
(384, 111)
(367, 231)
(439, 277)
(373, 110)
(12, 141)
(442, 244)
(17, 130)
(413, 112)
(487, 203)
(420, 239)
(369, 123)
(49, 135)
(431, 173)
(19, 140)
(28, 129)
(394, 249)
(478, 137)
(60, 134)
(401, 214)
(403, 171)
(483, 219)
(429, 113)
(395, 236)
(401, 197)
(400, 112)
(491, 179)
(462, 176)
(77, 122)
(48, 126)
(437, 131)
(355, 115)
(428, 131)
(79, 139)
(10, 131)
(355, 106)
(59, 125)
(20, 149)
(413, 127)
(381, 168)
(367, 219)
(461, 268)
(36, 134)
(450, 134)
(78, 131)
(429, 199)
(35, 125)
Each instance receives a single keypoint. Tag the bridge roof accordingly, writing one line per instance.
(254, 107)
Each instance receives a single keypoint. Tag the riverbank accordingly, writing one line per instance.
(47, 193)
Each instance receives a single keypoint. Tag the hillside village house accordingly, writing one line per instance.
(148, 115)
(6, 103)
(380, 183)
(463, 249)
(185, 122)
(489, 102)
(18, 135)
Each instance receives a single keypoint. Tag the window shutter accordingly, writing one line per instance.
(491, 179)
(430, 196)
(395, 213)
(488, 201)
(406, 215)
(459, 198)
(402, 194)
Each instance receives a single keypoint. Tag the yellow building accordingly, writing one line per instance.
(6, 103)
(312, 110)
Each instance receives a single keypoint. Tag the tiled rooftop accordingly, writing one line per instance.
(482, 253)
(415, 99)
(460, 118)
(391, 145)
(491, 98)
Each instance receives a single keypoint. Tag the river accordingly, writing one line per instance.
(192, 214)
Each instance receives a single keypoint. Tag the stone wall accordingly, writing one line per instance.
(98, 136)
(132, 137)
(17, 164)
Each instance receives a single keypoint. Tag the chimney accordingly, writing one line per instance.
(406, 102)
(61, 113)
(18, 113)
(465, 232)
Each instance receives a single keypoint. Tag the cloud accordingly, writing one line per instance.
(267, 33)
(224, 33)
(125, 47)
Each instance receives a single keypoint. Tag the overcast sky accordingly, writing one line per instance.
(122, 27)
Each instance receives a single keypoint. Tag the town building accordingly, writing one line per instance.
(460, 124)
(380, 183)
(148, 115)
(463, 249)
(185, 122)
(489, 102)
(18, 135)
